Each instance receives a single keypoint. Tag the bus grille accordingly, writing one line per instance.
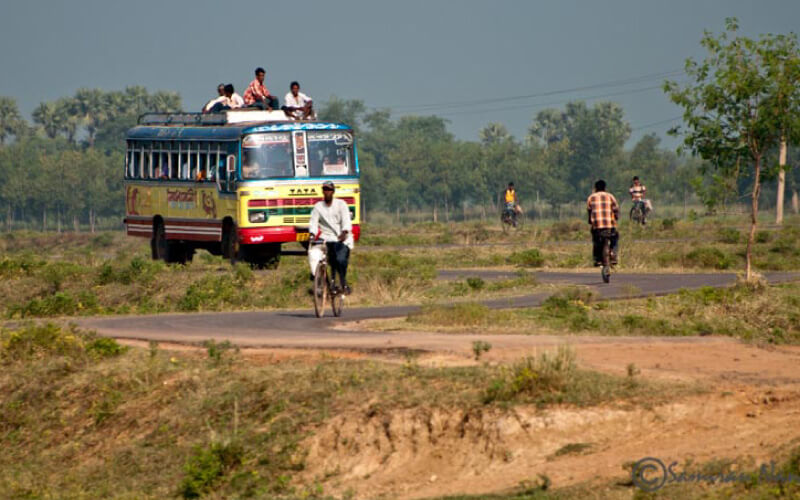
(288, 220)
(301, 220)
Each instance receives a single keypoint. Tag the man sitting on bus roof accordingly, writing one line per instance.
(220, 98)
(257, 95)
(231, 100)
(297, 105)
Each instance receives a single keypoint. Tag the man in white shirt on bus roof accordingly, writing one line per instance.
(330, 222)
(297, 105)
(231, 100)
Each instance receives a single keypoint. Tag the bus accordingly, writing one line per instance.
(238, 184)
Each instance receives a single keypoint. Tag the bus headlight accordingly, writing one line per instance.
(256, 217)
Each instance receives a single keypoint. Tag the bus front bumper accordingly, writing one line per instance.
(283, 234)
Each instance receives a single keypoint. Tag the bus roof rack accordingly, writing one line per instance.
(222, 118)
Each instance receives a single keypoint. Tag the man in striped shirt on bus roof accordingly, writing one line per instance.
(603, 211)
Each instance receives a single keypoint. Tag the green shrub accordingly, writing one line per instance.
(206, 465)
(534, 376)
(56, 273)
(709, 257)
(668, 223)
(728, 235)
(527, 258)
(479, 347)
(476, 283)
(763, 236)
(103, 240)
(105, 347)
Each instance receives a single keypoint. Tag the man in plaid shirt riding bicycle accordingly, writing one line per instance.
(603, 212)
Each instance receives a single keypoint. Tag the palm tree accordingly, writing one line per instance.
(46, 115)
(164, 101)
(11, 121)
(92, 109)
(68, 119)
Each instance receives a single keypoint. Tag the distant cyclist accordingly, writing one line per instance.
(603, 211)
(330, 222)
(510, 200)
(637, 192)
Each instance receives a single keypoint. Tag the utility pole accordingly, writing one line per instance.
(781, 182)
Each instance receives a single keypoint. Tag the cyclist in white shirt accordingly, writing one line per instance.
(330, 222)
(297, 105)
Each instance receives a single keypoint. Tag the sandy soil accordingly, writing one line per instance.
(751, 410)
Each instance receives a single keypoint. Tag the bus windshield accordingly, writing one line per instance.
(267, 156)
(330, 153)
(282, 155)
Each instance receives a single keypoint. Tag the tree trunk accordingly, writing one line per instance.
(753, 220)
(435, 212)
(75, 224)
(9, 217)
(781, 183)
(58, 221)
(44, 220)
(795, 202)
(91, 220)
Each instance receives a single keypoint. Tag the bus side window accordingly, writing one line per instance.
(211, 162)
(156, 162)
(174, 164)
(136, 153)
(146, 165)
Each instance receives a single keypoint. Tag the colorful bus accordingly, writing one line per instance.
(237, 184)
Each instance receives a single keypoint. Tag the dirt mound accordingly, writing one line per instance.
(426, 452)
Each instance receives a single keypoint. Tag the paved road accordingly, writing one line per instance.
(300, 329)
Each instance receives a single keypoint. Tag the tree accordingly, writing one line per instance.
(731, 113)
(781, 59)
(46, 115)
(11, 122)
(347, 111)
(494, 133)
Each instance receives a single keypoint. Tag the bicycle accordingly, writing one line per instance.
(605, 270)
(508, 219)
(324, 286)
(638, 212)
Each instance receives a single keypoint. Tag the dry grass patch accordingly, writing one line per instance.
(81, 416)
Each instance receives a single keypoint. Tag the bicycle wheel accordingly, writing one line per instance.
(505, 223)
(605, 272)
(337, 303)
(320, 289)
(520, 220)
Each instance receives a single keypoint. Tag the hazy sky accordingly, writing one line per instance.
(400, 54)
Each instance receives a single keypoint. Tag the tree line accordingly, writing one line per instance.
(65, 167)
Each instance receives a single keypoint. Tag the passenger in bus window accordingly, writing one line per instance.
(297, 105)
(257, 95)
(251, 170)
(220, 98)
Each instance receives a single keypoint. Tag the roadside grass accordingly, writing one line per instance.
(759, 314)
(82, 416)
(49, 275)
